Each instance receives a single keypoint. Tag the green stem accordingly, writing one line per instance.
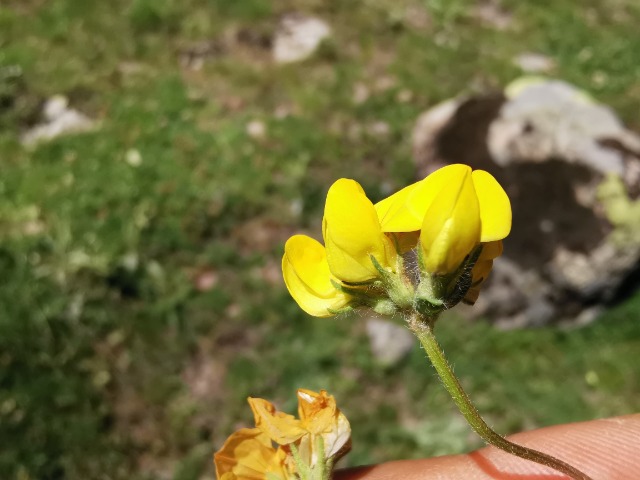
(424, 331)
(304, 472)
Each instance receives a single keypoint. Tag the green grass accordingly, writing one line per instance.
(114, 365)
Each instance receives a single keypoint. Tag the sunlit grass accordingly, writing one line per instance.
(115, 363)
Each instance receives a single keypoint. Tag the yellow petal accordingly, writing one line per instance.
(451, 226)
(308, 279)
(337, 441)
(491, 250)
(352, 234)
(404, 211)
(481, 270)
(248, 455)
(404, 241)
(495, 208)
(471, 296)
(278, 426)
(394, 211)
(316, 410)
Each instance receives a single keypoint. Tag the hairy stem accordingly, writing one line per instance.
(423, 329)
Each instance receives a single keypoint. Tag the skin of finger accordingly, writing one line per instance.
(607, 449)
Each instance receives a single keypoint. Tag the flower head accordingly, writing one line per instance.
(455, 220)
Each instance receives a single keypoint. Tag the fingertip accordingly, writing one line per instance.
(607, 449)
(604, 449)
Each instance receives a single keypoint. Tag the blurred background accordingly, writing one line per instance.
(156, 154)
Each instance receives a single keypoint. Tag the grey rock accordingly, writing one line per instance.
(572, 172)
(390, 343)
(552, 119)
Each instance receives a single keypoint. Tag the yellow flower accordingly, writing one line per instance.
(308, 278)
(455, 210)
(352, 234)
(265, 452)
(450, 215)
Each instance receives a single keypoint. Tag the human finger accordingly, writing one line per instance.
(607, 449)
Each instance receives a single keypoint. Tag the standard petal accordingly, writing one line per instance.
(308, 279)
(352, 234)
(451, 226)
(404, 211)
(495, 208)
(394, 213)
(248, 454)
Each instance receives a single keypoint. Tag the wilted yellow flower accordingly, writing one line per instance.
(319, 417)
(308, 278)
(352, 234)
(320, 437)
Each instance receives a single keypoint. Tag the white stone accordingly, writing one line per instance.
(298, 37)
(545, 119)
(59, 120)
(133, 157)
(256, 129)
(532, 62)
(55, 107)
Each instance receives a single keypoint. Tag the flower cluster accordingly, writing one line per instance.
(424, 248)
(283, 447)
